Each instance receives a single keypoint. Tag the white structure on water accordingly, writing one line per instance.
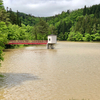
(52, 39)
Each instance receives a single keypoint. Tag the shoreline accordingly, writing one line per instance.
(81, 41)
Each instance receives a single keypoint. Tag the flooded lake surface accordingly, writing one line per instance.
(71, 70)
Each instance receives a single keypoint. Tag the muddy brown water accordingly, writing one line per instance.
(71, 70)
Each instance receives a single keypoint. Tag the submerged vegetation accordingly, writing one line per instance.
(78, 25)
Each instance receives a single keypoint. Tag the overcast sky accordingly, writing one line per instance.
(44, 8)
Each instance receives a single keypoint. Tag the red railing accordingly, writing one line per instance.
(27, 42)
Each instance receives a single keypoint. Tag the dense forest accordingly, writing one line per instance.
(78, 25)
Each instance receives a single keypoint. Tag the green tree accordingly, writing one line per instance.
(71, 36)
(84, 10)
(14, 18)
(88, 29)
(61, 36)
(97, 12)
(94, 28)
(52, 30)
(98, 28)
(3, 38)
(68, 11)
(35, 32)
(17, 22)
(97, 37)
(3, 29)
(43, 28)
(1, 4)
(78, 37)
(65, 35)
(3, 14)
(87, 37)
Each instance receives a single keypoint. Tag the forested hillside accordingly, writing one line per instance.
(78, 25)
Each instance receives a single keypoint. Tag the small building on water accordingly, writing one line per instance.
(52, 39)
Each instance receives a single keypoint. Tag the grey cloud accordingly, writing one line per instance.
(46, 7)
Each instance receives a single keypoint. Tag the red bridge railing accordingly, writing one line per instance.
(27, 42)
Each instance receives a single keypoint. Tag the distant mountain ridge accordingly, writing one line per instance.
(85, 21)
(31, 20)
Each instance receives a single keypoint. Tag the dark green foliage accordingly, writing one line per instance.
(17, 21)
(3, 28)
(28, 19)
(84, 10)
(95, 9)
(14, 17)
(3, 38)
(43, 27)
(63, 27)
(1, 4)
(3, 14)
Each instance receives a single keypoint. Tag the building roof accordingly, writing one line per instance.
(52, 35)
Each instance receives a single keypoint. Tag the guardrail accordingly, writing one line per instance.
(27, 42)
